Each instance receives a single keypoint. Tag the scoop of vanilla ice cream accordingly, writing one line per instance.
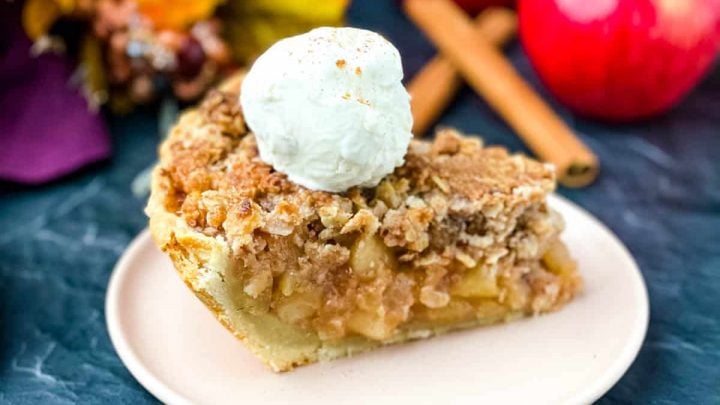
(328, 108)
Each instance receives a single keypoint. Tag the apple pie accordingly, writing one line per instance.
(459, 236)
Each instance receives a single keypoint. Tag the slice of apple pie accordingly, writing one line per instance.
(458, 236)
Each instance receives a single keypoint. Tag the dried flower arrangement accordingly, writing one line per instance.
(131, 52)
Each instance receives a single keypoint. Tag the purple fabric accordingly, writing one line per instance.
(46, 128)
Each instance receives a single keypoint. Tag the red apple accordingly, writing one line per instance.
(620, 59)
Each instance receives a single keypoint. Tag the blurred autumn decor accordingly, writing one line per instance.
(131, 51)
(61, 60)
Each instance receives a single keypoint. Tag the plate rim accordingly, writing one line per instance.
(118, 338)
(166, 394)
(631, 350)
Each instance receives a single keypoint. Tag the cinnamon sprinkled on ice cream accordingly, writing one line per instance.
(328, 108)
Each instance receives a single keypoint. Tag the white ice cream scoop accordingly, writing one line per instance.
(328, 108)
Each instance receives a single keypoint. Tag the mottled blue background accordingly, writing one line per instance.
(659, 191)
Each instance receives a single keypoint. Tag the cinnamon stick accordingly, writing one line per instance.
(495, 79)
(435, 85)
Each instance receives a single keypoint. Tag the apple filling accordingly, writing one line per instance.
(354, 283)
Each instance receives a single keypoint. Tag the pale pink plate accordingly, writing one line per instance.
(181, 354)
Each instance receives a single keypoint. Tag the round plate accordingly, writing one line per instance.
(178, 351)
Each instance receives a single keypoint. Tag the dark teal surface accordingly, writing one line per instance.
(659, 192)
